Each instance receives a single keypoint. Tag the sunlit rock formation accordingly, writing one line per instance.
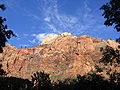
(61, 56)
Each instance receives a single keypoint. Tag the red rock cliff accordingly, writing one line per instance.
(62, 56)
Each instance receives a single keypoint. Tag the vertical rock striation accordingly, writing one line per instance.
(61, 56)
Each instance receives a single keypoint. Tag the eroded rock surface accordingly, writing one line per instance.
(61, 56)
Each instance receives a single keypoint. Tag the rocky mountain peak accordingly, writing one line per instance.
(61, 56)
(49, 39)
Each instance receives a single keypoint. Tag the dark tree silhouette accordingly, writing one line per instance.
(4, 33)
(41, 81)
(118, 40)
(2, 72)
(112, 13)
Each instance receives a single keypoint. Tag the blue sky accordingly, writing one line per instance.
(32, 20)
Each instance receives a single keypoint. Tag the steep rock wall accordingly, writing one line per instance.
(63, 56)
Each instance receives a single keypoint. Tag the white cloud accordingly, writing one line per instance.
(33, 35)
(32, 41)
(34, 16)
(25, 35)
(18, 38)
(52, 27)
(86, 6)
(40, 37)
(47, 19)
(57, 22)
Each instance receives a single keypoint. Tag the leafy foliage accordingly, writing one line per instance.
(118, 40)
(2, 72)
(41, 81)
(13, 83)
(2, 6)
(112, 13)
(4, 33)
(110, 55)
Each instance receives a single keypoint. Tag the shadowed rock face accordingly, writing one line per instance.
(63, 56)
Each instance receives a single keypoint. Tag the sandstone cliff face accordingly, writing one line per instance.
(62, 56)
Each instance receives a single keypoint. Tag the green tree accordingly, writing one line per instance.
(5, 34)
(112, 14)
